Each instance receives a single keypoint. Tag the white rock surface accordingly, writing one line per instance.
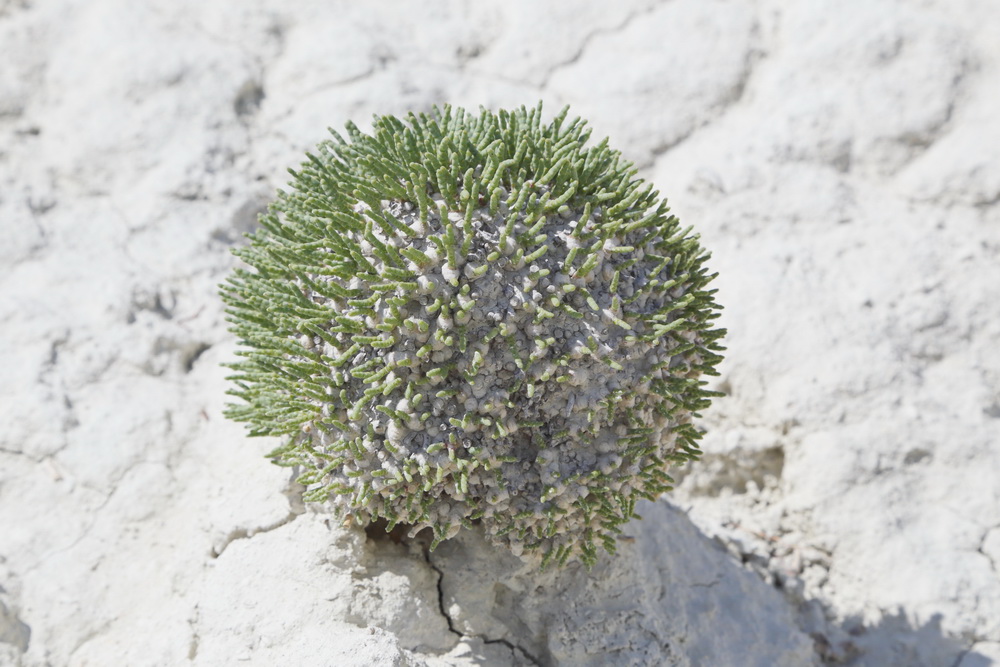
(839, 158)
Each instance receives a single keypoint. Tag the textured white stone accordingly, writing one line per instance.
(839, 160)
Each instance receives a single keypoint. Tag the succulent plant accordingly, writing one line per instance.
(464, 318)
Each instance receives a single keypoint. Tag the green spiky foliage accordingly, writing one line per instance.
(476, 318)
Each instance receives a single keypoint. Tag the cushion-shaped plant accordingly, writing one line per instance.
(466, 318)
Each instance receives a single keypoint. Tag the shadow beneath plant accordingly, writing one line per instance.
(754, 469)
(896, 640)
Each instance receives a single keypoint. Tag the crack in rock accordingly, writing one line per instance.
(590, 36)
(733, 97)
(296, 507)
(985, 552)
(514, 648)
(709, 584)
(247, 533)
